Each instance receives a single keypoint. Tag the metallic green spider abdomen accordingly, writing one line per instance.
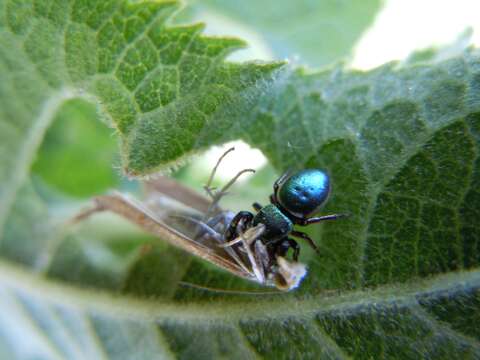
(277, 225)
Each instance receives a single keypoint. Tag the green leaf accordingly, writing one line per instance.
(319, 33)
(77, 134)
(426, 319)
(147, 78)
(401, 145)
(398, 279)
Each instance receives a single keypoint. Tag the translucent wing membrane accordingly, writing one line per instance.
(157, 224)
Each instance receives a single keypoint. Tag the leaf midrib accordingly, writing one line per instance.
(20, 279)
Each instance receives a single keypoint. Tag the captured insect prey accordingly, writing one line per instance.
(255, 246)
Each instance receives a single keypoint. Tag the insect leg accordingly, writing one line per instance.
(214, 221)
(220, 221)
(205, 228)
(304, 236)
(261, 257)
(250, 236)
(257, 268)
(208, 230)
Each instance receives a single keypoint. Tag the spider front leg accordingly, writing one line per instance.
(305, 237)
(280, 180)
(233, 230)
(276, 186)
(283, 246)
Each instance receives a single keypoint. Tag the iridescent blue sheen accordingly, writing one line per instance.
(304, 192)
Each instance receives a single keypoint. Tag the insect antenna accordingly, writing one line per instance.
(223, 190)
(217, 195)
(207, 186)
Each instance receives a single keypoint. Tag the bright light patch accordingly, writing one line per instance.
(219, 25)
(407, 25)
(244, 157)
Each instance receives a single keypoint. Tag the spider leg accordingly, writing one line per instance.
(276, 185)
(305, 237)
(286, 244)
(314, 220)
(281, 179)
(232, 230)
(296, 249)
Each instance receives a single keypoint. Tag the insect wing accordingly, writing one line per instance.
(177, 191)
(149, 221)
(186, 211)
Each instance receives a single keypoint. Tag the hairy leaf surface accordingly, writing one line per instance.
(398, 279)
